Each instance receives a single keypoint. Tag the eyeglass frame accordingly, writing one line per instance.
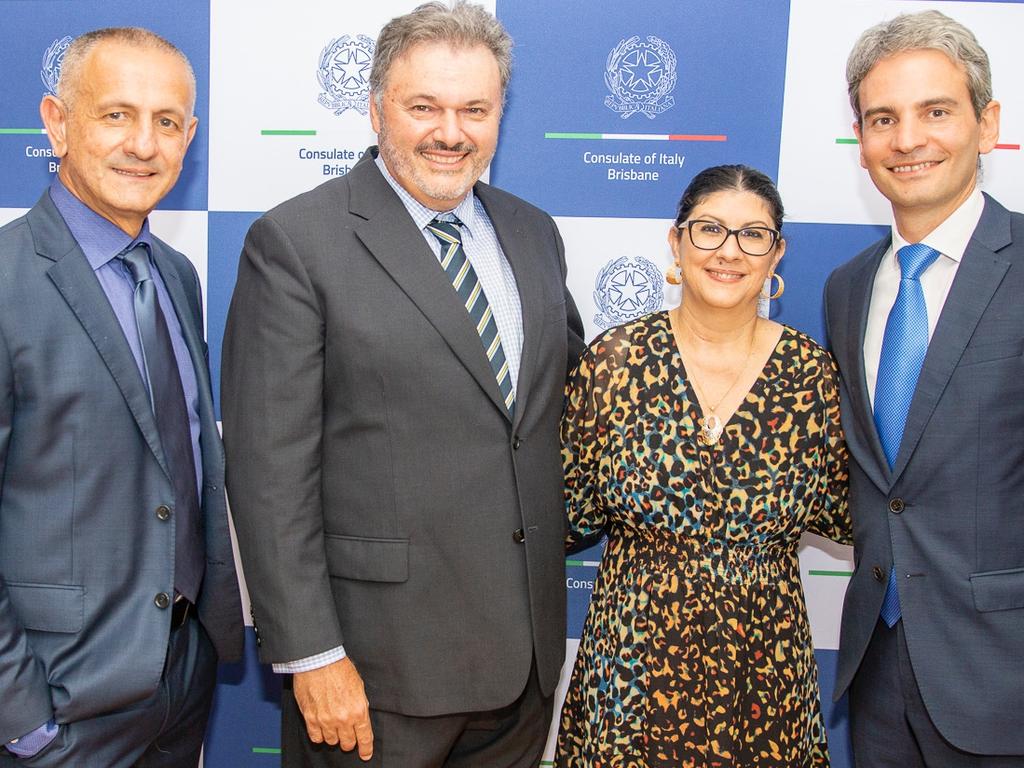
(688, 224)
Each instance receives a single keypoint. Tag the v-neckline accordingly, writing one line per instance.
(691, 393)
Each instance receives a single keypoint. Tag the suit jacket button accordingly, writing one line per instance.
(516, 442)
(878, 574)
(162, 600)
(518, 536)
(163, 512)
(896, 506)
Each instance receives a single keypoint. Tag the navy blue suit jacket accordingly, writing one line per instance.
(950, 514)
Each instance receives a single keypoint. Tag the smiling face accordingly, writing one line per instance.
(920, 138)
(725, 278)
(123, 140)
(437, 123)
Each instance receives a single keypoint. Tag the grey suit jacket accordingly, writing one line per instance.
(950, 514)
(82, 552)
(383, 498)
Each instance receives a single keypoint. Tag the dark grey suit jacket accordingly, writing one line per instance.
(376, 480)
(82, 552)
(951, 512)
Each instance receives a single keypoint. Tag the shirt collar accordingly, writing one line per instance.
(100, 240)
(465, 211)
(950, 238)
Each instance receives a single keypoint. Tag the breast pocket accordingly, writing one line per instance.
(988, 352)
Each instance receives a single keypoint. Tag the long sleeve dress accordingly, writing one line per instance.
(696, 650)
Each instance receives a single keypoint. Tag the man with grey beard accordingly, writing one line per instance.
(394, 361)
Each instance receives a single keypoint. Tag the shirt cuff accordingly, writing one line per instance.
(310, 662)
(33, 741)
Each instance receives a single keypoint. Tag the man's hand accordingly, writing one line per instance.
(333, 702)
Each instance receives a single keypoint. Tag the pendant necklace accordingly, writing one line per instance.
(711, 426)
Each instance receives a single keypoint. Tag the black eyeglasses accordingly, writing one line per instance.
(710, 235)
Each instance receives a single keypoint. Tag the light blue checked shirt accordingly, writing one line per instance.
(483, 251)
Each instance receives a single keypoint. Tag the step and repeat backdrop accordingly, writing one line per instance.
(612, 108)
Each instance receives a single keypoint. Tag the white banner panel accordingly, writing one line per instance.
(820, 177)
(286, 106)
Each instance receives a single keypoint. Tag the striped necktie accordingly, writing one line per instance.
(903, 349)
(467, 286)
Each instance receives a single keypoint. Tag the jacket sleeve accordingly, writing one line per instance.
(272, 408)
(23, 686)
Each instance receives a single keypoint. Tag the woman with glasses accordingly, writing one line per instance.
(703, 441)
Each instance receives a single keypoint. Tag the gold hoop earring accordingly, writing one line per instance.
(674, 275)
(781, 289)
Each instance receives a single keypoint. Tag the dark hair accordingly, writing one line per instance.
(722, 177)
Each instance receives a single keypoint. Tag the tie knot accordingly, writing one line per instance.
(137, 261)
(446, 230)
(915, 259)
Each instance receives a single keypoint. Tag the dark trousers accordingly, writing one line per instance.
(510, 737)
(889, 723)
(165, 730)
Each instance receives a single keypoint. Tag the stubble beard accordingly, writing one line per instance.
(451, 186)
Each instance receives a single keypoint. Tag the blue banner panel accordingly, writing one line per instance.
(245, 726)
(35, 35)
(835, 714)
(612, 117)
(226, 235)
(812, 252)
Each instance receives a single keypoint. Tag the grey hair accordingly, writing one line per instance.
(462, 25)
(80, 48)
(927, 30)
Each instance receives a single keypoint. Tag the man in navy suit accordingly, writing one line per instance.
(117, 584)
(926, 326)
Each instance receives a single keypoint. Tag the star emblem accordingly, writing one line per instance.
(641, 71)
(629, 290)
(350, 68)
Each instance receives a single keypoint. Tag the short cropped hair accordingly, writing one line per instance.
(81, 46)
(927, 30)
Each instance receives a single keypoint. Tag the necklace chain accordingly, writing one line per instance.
(711, 426)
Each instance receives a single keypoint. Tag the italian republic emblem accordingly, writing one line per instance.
(52, 59)
(344, 74)
(626, 288)
(640, 76)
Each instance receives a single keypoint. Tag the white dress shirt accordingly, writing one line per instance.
(950, 239)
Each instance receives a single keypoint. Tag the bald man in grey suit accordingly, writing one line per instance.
(117, 582)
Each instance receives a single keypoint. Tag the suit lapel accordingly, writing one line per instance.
(977, 278)
(193, 335)
(392, 238)
(859, 290)
(77, 283)
(516, 247)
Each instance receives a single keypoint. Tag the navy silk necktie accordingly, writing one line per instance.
(167, 397)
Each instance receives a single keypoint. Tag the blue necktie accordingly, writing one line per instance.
(167, 398)
(466, 284)
(903, 349)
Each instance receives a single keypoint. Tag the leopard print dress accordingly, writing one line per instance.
(696, 650)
